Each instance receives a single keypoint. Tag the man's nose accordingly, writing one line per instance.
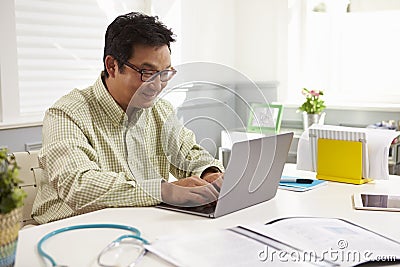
(156, 83)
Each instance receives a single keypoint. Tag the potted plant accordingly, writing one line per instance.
(11, 202)
(312, 108)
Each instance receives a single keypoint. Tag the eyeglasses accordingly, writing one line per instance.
(150, 75)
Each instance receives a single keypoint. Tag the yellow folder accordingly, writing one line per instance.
(340, 161)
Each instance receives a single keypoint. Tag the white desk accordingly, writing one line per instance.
(80, 248)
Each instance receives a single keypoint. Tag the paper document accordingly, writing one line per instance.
(332, 239)
(307, 241)
(217, 248)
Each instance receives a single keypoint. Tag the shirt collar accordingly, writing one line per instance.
(108, 104)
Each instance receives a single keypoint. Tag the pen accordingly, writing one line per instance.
(289, 179)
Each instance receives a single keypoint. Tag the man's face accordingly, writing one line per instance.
(128, 87)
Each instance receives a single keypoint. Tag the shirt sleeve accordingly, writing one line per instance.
(75, 173)
(187, 157)
(193, 159)
(211, 169)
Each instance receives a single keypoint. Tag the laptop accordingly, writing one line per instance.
(251, 177)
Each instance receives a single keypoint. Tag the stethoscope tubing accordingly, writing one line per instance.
(45, 255)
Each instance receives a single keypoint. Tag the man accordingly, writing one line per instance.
(114, 144)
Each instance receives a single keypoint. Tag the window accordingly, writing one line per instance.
(59, 47)
(349, 49)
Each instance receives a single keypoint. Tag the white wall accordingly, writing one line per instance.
(256, 38)
(368, 5)
(250, 36)
(208, 31)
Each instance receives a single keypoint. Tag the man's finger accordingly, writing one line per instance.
(192, 181)
(208, 192)
(217, 184)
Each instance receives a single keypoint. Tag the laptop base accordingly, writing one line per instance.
(207, 210)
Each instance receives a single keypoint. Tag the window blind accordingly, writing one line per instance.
(60, 46)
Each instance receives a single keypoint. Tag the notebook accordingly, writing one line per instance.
(251, 177)
(300, 187)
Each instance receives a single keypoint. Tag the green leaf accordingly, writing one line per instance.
(11, 196)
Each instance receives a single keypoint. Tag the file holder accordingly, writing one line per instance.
(340, 161)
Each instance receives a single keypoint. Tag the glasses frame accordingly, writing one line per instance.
(153, 73)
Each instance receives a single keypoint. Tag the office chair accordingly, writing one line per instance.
(30, 174)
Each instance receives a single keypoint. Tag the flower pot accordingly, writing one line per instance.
(310, 119)
(10, 223)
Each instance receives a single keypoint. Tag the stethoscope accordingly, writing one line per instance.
(135, 235)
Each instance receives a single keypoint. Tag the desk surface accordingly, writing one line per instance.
(332, 200)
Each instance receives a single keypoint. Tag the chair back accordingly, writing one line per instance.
(30, 174)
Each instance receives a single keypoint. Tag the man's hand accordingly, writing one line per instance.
(190, 191)
(214, 178)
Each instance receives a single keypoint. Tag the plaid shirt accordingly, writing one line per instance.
(95, 156)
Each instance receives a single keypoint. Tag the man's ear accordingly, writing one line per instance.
(111, 65)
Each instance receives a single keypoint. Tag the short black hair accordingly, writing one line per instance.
(133, 29)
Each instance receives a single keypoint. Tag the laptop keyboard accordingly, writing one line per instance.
(205, 209)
